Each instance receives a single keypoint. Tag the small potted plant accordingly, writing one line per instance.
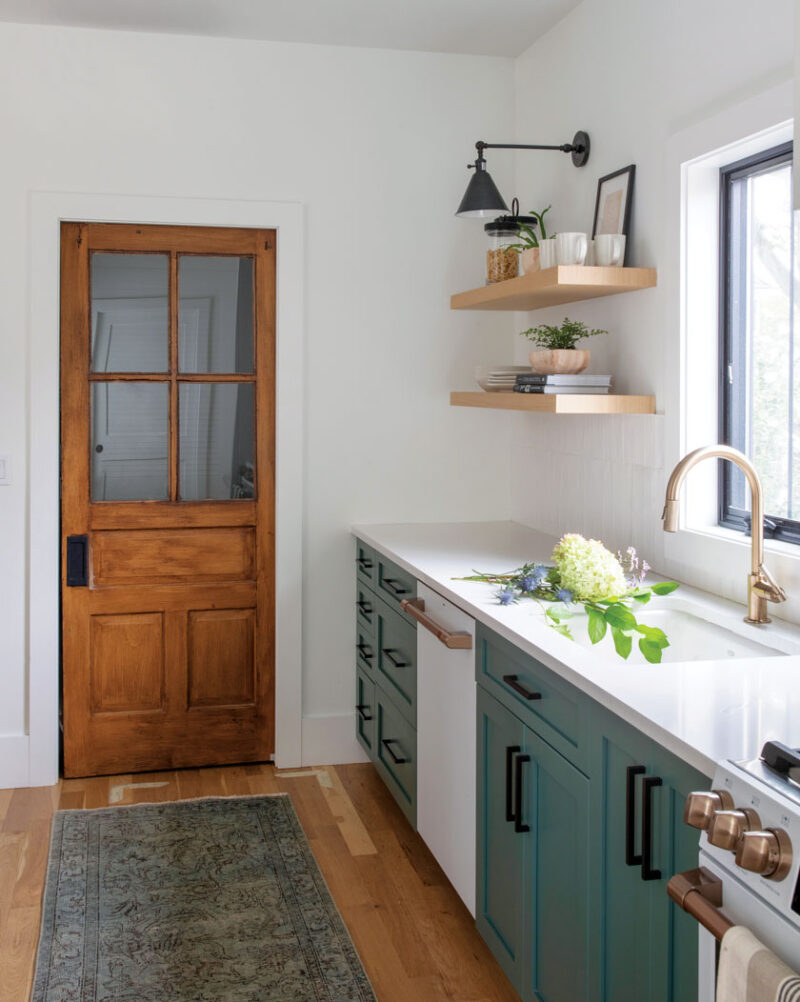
(555, 351)
(528, 244)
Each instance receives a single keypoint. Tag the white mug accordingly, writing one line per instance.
(571, 248)
(609, 250)
(547, 253)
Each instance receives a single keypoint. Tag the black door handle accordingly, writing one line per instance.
(364, 606)
(365, 563)
(387, 652)
(387, 744)
(510, 753)
(362, 708)
(632, 858)
(364, 651)
(519, 827)
(77, 561)
(394, 587)
(648, 784)
(518, 687)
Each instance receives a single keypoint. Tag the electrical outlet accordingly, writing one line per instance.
(5, 471)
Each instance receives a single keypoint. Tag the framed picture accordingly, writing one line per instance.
(612, 210)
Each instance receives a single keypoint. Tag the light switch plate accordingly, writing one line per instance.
(5, 471)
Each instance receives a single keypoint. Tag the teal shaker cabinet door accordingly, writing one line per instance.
(557, 893)
(500, 849)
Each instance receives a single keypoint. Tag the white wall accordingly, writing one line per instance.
(640, 78)
(374, 143)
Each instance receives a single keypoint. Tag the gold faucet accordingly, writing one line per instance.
(761, 586)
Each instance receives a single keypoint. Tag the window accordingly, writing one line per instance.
(760, 370)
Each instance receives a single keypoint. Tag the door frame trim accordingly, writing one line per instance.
(46, 211)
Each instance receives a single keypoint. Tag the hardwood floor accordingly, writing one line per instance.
(416, 939)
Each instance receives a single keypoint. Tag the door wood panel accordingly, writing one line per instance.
(168, 653)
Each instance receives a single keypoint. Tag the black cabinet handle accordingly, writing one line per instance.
(395, 587)
(632, 858)
(77, 561)
(387, 744)
(648, 784)
(510, 753)
(364, 606)
(518, 687)
(388, 653)
(364, 651)
(362, 708)
(364, 563)
(519, 827)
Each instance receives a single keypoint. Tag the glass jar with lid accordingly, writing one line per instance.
(502, 262)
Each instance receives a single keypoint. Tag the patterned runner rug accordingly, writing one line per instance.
(216, 900)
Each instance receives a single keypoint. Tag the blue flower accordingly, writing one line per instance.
(539, 573)
(505, 596)
(564, 595)
(529, 583)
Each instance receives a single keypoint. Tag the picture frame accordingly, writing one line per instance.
(612, 207)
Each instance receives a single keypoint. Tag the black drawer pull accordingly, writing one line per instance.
(632, 858)
(510, 753)
(387, 744)
(362, 708)
(77, 561)
(365, 606)
(395, 586)
(517, 687)
(648, 872)
(364, 563)
(388, 653)
(364, 651)
(519, 827)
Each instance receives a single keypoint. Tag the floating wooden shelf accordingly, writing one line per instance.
(554, 287)
(556, 403)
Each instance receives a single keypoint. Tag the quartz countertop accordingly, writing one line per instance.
(702, 711)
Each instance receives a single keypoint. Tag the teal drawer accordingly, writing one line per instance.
(396, 662)
(366, 712)
(366, 564)
(366, 609)
(366, 650)
(396, 754)
(395, 584)
(551, 707)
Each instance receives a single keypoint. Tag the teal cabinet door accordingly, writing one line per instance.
(500, 849)
(557, 940)
(622, 949)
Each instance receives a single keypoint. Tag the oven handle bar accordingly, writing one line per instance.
(699, 893)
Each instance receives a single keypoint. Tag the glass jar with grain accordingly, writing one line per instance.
(502, 262)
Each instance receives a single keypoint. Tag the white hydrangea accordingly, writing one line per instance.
(588, 570)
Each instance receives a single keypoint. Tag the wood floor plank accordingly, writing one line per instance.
(416, 939)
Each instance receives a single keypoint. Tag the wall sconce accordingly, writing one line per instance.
(482, 197)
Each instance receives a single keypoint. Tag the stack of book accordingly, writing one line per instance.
(532, 382)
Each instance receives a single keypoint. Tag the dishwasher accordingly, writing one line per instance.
(446, 736)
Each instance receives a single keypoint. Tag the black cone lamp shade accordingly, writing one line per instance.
(481, 197)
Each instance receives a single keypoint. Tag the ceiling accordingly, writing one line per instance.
(478, 27)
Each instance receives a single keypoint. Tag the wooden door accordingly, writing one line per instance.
(167, 506)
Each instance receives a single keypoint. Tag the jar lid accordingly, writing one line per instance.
(509, 224)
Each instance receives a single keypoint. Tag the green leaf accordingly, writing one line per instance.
(651, 651)
(653, 634)
(641, 596)
(552, 615)
(619, 616)
(664, 587)
(597, 625)
(622, 642)
(563, 629)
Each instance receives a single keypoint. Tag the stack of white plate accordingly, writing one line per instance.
(498, 378)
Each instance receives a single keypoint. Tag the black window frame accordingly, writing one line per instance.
(731, 516)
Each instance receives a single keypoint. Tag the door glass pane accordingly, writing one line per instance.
(130, 444)
(217, 441)
(215, 314)
(130, 307)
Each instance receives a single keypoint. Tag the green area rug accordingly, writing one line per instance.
(216, 900)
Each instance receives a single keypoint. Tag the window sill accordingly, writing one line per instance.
(718, 532)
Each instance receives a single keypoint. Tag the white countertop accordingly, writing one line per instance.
(703, 711)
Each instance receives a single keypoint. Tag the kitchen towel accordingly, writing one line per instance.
(749, 972)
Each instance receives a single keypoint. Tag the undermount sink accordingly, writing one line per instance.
(693, 636)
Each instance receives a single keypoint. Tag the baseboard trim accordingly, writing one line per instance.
(14, 761)
(331, 740)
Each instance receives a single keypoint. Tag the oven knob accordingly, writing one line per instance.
(700, 806)
(727, 827)
(768, 853)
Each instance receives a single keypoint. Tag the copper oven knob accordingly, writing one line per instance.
(727, 827)
(768, 853)
(701, 805)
